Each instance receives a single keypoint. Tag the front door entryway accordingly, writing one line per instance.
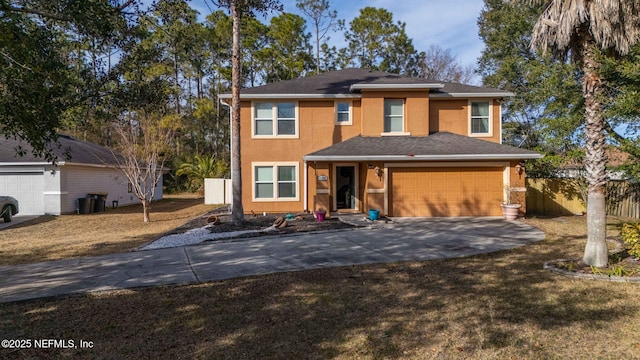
(346, 187)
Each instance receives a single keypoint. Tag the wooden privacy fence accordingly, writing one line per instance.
(563, 197)
(554, 197)
(623, 199)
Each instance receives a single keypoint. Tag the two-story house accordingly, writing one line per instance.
(354, 140)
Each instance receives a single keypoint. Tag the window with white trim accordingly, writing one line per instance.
(343, 113)
(263, 118)
(393, 115)
(275, 182)
(264, 182)
(275, 119)
(480, 118)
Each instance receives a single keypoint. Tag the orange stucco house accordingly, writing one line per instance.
(354, 140)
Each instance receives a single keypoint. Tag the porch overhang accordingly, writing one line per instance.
(441, 146)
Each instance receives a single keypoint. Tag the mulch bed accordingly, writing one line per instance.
(620, 265)
(300, 223)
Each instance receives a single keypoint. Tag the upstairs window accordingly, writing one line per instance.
(286, 115)
(393, 115)
(263, 119)
(275, 119)
(480, 122)
(343, 113)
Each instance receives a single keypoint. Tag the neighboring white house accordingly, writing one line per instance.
(43, 188)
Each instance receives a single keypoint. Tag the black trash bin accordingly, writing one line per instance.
(100, 201)
(84, 205)
(99, 205)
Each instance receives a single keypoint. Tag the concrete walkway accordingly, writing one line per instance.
(404, 240)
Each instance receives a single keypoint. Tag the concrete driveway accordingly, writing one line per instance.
(405, 240)
(17, 219)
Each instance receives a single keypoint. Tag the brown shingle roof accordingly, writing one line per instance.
(438, 146)
(336, 83)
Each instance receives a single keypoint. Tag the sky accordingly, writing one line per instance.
(450, 24)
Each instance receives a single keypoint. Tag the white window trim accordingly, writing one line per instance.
(470, 128)
(404, 120)
(343, 123)
(275, 166)
(274, 119)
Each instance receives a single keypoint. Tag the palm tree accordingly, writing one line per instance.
(583, 29)
(203, 167)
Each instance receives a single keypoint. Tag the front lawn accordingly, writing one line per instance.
(494, 306)
(116, 230)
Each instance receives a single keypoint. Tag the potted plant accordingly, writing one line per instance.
(510, 211)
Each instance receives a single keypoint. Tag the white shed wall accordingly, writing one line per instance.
(78, 181)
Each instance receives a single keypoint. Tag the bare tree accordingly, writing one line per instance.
(142, 142)
(440, 64)
(323, 21)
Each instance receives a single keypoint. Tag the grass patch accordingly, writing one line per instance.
(493, 306)
(116, 230)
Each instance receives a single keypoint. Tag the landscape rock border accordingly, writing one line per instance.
(549, 266)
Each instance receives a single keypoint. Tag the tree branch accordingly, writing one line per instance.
(628, 145)
(38, 12)
(8, 57)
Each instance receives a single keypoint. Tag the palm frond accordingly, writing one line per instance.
(613, 24)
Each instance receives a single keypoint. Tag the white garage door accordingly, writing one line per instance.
(27, 188)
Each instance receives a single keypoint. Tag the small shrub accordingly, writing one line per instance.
(630, 234)
(614, 270)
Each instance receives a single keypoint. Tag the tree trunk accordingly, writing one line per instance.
(595, 252)
(317, 47)
(237, 212)
(146, 209)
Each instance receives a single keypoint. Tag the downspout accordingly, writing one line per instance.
(305, 187)
(230, 149)
(500, 118)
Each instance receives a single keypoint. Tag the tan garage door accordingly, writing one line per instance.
(446, 192)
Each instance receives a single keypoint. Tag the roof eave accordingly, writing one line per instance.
(472, 95)
(358, 96)
(291, 96)
(422, 157)
(26, 163)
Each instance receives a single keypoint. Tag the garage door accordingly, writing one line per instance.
(27, 188)
(446, 192)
